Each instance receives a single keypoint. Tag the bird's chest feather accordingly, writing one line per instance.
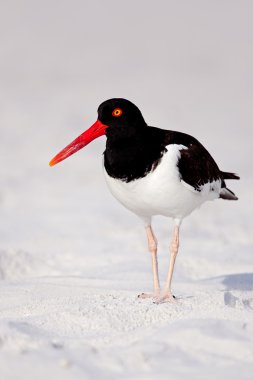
(158, 192)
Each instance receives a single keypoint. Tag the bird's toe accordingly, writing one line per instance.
(165, 297)
(144, 296)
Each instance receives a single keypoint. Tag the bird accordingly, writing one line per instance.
(153, 171)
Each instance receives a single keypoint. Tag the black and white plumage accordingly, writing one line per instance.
(152, 171)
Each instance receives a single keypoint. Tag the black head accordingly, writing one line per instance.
(119, 112)
(117, 119)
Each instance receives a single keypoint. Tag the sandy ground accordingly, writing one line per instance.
(72, 260)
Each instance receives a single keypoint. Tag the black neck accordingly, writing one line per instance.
(131, 153)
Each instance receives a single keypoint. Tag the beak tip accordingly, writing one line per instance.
(96, 130)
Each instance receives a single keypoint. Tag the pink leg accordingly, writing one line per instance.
(166, 294)
(152, 245)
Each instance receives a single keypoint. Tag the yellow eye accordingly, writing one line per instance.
(117, 112)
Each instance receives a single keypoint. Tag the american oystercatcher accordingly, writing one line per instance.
(152, 171)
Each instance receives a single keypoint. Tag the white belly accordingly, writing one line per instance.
(161, 192)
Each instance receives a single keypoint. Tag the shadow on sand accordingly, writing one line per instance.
(238, 281)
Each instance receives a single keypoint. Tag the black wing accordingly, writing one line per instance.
(196, 165)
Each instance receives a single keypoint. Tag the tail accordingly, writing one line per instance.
(225, 193)
(227, 175)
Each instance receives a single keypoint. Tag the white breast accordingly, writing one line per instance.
(161, 192)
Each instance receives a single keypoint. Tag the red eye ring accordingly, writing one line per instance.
(117, 112)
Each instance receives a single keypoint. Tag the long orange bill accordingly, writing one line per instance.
(96, 130)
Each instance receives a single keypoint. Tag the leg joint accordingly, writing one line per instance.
(152, 246)
(174, 246)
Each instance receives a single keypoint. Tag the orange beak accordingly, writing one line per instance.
(96, 130)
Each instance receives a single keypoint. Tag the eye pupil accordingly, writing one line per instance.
(117, 112)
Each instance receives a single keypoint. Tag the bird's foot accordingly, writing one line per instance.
(165, 297)
(154, 295)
